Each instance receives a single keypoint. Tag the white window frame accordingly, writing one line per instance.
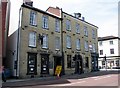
(33, 18)
(57, 25)
(45, 22)
(100, 43)
(86, 45)
(77, 28)
(94, 48)
(78, 44)
(68, 25)
(85, 31)
(68, 41)
(101, 52)
(93, 33)
(57, 43)
(112, 51)
(32, 39)
(111, 42)
(45, 41)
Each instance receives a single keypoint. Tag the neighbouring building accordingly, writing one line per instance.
(109, 47)
(119, 19)
(45, 40)
(4, 14)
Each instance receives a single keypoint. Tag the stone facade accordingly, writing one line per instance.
(52, 44)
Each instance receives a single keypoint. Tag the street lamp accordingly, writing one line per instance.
(105, 62)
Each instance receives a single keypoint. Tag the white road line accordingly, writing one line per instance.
(88, 78)
(102, 77)
(71, 83)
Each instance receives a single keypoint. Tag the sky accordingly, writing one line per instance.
(102, 13)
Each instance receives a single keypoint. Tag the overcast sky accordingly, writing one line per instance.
(102, 13)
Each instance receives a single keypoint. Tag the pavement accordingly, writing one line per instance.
(52, 79)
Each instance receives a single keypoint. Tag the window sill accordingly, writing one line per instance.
(45, 28)
(57, 49)
(32, 46)
(46, 48)
(78, 49)
(69, 48)
(68, 30)
(86, 35)
(77, 33)
(33, 25)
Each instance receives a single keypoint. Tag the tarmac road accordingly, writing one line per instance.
(102, 79)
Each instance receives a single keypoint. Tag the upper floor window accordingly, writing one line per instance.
(100, 43)
(111, 42)
(78, 44)
(86, 46)
(101, 52)
(45, 22)
(68, 25)
(111, 51)
(32, 39)
(93, 33)
(77, 28)
(94, 48)
(33, 18)
(57, 25)
(45, 41)
(68, 41)
(57, 43)
(85, 31)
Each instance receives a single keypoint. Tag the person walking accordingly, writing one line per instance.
(3, 74)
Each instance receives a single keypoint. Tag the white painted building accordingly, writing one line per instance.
(109, 46)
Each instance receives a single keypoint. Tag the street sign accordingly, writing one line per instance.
(58, 70)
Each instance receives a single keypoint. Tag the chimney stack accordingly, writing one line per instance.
(77, 15)
(28, 2)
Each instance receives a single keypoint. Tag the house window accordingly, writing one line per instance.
(117, 63)
(103, 62)
(101, 52)
(94, 49)
(111, 42)
(45, 41)
(32, 64)
(68, 25)
(86, 45)
(93, 33)
(77, 28)
(57, 43)
(32, 39)
(111, 51)
(68, 41)
(85, 31)
(87, 62)
(78, 44)
(45, 22)
(57, 25)
(100, 43)
(33, 18)
(69, 61)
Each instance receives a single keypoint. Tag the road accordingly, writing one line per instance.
(92, 80)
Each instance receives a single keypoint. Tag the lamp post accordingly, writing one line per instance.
(105, 62)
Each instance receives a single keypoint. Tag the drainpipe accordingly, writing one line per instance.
(18, 45)
(63, 70)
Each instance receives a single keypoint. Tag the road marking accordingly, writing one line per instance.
(94, 77)
(103, 77)
(88, 78)
(70, 83)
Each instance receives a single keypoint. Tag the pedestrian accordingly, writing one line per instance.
(3, 74)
